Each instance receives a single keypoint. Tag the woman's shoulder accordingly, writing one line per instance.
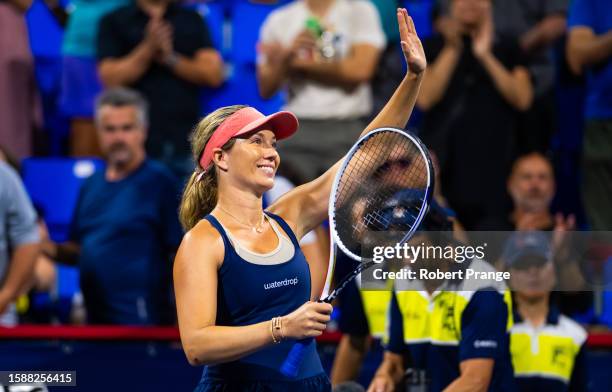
(204, 242)
(283, 211)
(295, 206)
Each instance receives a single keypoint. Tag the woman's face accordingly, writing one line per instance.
(253, 160)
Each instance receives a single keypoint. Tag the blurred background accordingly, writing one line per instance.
(525, 148)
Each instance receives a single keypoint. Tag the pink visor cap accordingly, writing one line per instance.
(247, 120)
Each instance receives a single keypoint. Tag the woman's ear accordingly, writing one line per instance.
(220, 159)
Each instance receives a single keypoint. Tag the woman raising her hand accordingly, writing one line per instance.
(242, 283)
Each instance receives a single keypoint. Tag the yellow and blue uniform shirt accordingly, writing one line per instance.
(460, 321)
(550, 357)
(364, 313)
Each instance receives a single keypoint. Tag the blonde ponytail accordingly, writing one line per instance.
(200, 195)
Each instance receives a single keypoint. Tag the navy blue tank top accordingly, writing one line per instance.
(250, 293)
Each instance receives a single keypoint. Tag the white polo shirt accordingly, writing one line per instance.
(356, 22)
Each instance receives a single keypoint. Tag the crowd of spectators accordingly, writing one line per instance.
(487, 111)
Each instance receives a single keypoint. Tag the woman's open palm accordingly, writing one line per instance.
(411, 44)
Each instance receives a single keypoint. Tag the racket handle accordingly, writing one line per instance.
(291, 366)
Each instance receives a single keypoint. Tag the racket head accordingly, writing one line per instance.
(386, 178)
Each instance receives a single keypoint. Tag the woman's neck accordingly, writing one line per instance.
(241, 203)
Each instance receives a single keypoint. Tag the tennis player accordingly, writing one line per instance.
(242, 283)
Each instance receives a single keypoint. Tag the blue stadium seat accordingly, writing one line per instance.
(54, 184)
(46, 37)
(241, 84)
(67, 286)
(606, 314)
(421, 10)
(213, 14)
(46, 34)
(247, 19)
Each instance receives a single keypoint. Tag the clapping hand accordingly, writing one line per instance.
(159, 36)
(482, 37)
(561, 231)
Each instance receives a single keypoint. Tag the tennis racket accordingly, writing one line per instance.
(385, 184)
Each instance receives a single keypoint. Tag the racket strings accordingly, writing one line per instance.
(383, 188)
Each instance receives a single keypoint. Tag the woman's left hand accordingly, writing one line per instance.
(411, 44)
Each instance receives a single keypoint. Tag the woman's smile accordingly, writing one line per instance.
(267, 168)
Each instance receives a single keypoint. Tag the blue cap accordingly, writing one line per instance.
(525, 248)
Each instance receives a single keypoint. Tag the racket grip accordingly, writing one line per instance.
(291, 366)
